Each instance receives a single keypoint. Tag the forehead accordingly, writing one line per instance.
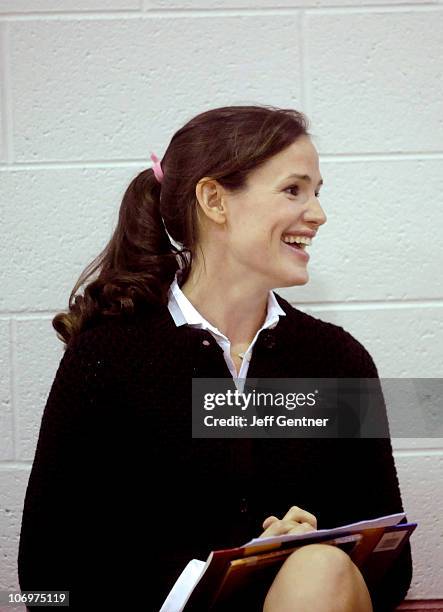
(300, 157)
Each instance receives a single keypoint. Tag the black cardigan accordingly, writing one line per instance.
(121, 497)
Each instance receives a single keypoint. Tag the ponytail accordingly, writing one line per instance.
(136, 267)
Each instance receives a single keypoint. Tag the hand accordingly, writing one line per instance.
(295, 521)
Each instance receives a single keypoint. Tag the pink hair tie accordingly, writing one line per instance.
(158, 172)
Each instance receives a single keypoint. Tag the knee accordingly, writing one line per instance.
(320, 573)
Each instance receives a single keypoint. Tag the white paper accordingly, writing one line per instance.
(183, 586)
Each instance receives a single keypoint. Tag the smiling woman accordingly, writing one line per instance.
(220, 199)
(121, 496)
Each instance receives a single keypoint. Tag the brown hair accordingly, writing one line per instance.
(139, 262)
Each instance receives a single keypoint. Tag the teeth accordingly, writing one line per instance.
(298, 239)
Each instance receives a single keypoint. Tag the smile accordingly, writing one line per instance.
(297, 250)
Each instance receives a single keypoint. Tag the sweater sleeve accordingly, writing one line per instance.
(380, 495)
(68, 487)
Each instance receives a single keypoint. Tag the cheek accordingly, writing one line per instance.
(254, 246)
(258, 230)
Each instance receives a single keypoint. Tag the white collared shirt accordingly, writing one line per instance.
(183, 312)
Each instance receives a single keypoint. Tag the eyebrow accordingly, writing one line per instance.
(303, 177)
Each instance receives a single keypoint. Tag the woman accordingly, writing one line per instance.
(120, 495)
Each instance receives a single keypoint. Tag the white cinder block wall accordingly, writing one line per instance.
(91, 87)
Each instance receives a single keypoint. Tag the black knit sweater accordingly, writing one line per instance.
(120, 495)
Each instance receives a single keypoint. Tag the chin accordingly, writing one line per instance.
(293, 281)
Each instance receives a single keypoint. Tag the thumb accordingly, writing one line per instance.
(268, 521)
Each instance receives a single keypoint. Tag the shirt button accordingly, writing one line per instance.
(243, 505)
(206, 342)
(268, 340)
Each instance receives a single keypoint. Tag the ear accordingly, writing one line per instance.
(209, 194)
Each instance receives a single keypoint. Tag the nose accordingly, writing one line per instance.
(315, 213)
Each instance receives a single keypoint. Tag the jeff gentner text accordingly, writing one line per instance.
(267, 421)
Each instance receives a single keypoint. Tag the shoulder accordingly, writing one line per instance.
(103, 348)
(104, 334)
(329, 340)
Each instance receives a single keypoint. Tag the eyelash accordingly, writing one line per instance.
(317, 193)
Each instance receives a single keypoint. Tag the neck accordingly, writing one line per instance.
(234, 306)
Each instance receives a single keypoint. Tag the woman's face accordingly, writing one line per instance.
(273, 206)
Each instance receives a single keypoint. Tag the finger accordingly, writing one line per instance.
(300, 516)
(286, 528)
(288, 525)
(301, 528)
(295, 513)
(276, 528)
(268, 521)
(280, 527)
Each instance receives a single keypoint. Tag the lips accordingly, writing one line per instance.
(296, 250)
(307, 233)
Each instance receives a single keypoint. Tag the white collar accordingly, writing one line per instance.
(183, 312)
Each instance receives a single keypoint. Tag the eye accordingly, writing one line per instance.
(291, 188)
(317, 193)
